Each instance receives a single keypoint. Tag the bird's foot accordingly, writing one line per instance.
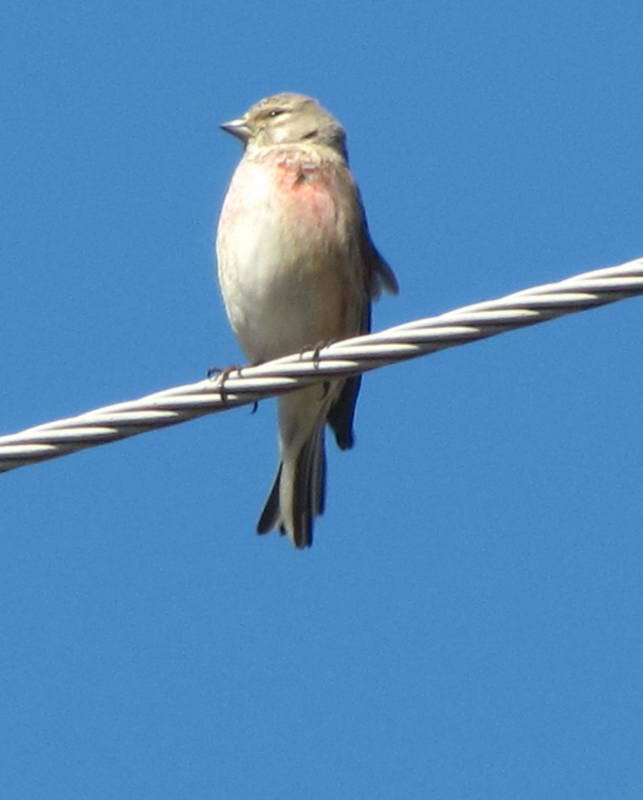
(220, 376)
(316, 349)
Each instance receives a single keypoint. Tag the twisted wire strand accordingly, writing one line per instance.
(348, 357)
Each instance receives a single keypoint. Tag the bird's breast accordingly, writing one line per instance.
(285, 201)
(288, 262)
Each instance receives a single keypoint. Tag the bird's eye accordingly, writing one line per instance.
(276, 112)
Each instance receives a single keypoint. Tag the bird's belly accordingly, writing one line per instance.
(287, 280)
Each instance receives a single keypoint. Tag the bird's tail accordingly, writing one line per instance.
(299, 491)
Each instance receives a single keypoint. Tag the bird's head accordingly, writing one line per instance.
(288, 118)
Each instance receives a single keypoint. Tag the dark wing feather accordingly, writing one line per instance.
(378, 275)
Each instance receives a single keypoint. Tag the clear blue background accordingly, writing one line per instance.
(469, 623)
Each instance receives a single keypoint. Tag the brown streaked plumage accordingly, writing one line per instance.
(297, 268)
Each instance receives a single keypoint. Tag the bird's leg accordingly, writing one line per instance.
(316, 360)
(316, 350)
(221, 375)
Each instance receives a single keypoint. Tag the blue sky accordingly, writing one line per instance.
(468, 623)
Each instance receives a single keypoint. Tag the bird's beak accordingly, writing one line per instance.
(238, 128)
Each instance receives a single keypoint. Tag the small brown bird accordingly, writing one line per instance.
(297, 269)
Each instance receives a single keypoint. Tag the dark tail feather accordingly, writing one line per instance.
(270, 514)
(308, 494)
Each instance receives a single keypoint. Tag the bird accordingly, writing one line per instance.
(298, 269)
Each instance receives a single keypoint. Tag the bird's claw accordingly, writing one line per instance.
(221, 376)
